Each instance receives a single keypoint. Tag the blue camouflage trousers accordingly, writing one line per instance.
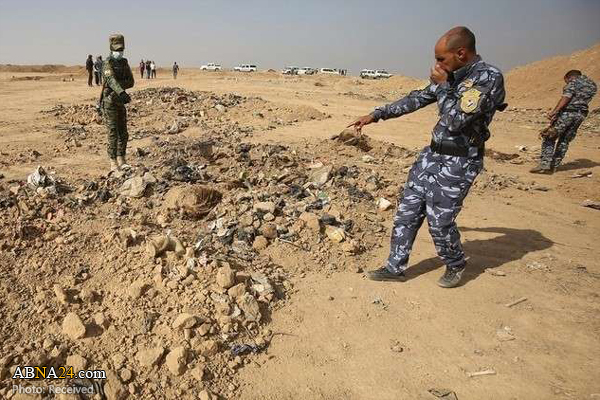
(436, 187)
(555, 149)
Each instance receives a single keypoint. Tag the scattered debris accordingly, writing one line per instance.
(481, 373)
(519, 301)
(591, 204)
(445, 394)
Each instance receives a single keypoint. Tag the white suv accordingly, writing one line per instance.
(290, 71)
(383, 74)
(211, 67)
(245, 68)
(329, 71)
(374, 74)
(306, 71)
(368, 74)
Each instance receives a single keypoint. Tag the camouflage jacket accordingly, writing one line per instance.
(580, 90)
(467, 103)
(117, 76)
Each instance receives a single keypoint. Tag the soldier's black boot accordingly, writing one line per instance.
(541, 170)
(382, 274)
(451, 277)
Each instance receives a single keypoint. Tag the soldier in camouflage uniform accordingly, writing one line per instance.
(566, 117)
(117, 78)
(468, 92)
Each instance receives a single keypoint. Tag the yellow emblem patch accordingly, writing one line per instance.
(107, 72)
(470, 100)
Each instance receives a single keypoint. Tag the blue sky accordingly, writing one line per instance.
(395, 35)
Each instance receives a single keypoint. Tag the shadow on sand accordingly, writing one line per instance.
(510, 245)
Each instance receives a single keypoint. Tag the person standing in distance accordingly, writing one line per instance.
(89, 67)
(468, 92)
(175, 70)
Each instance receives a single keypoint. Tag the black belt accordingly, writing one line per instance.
(451, 149)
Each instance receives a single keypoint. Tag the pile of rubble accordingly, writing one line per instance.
(165, 275)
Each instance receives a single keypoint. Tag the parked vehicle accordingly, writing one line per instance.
(211, 67)
(245, 68)
(331, 71)
(290, 70)
(383, 74)
(306, 71)
(374, 74)
(368, 74)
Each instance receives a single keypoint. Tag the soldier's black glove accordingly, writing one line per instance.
(124, 97)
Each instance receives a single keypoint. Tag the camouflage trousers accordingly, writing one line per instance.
(115, 118)
(554, 150)
(436, 187)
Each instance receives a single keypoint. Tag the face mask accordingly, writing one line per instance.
(117, 54)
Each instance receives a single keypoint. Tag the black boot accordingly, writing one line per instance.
(382, 274)
(451, 277)
(541, 170)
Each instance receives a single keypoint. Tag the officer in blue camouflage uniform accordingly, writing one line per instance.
(566, 117)
(117, 78)
(467, 92)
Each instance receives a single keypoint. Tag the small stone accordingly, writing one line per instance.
(269, 231)
(320, 176)
(101, 320)
(204, 329)
(176, 360)
(225, 277)
(268, 217)
(368, 159)
(150, 357)
(264, 207)
(206, 395)
(250, 307)
(73, 327)
(137, 289)
(260, 243)
(237, 290)
(77, 362)
(383, 204)
(336, 235)
(185, 321)
(350, 247)
(199, 372)
(209, 348)
(311, 220)
(125, 375)
(220, 108)
(60, 294)
(113, 388)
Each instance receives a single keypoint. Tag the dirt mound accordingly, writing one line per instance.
(47, 68)
(540, 84)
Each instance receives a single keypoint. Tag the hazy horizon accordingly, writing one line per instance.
(396, 35)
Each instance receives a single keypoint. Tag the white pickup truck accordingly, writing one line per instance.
(211, 67)
(245, 68)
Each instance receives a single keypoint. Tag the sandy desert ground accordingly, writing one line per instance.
(278, 263)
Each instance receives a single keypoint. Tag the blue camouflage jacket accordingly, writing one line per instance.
(467, 103)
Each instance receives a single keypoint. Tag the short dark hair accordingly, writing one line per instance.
(573, 74)
(461, 36)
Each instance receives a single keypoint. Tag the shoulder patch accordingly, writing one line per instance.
(468, 83)
(470, 100)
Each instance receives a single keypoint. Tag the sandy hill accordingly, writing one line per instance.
(540, 84)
